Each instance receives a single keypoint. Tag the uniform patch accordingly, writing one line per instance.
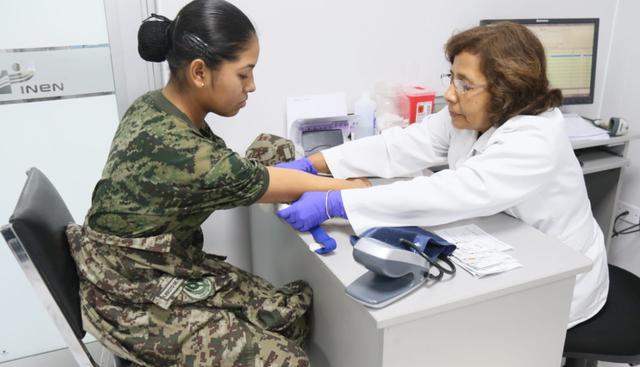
(198, 289)
(169, 287)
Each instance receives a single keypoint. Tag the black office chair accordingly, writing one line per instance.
(36, 236)
(612, 335)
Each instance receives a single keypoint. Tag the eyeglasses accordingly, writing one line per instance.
(460, 85)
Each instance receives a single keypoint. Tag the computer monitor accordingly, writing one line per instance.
(571, 47)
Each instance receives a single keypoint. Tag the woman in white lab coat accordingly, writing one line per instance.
(503, 137)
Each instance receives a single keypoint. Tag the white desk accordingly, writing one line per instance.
(516, 318)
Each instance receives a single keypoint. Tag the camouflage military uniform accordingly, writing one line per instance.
(148, 291)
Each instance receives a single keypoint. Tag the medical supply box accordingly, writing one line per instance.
(418, 102)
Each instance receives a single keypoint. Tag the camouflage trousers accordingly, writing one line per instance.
(249, 323)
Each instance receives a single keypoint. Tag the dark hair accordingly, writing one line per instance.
(514, 63)
(211, 30)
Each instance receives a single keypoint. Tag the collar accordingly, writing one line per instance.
(163, 104)
(481, 143)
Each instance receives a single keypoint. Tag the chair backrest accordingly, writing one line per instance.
(36, 236)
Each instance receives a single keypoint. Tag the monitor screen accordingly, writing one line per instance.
(317, 140)
(571, 48)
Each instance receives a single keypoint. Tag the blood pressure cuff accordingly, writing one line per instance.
(429, 243)
(270, 149)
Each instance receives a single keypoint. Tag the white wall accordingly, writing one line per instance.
(322, 46)
(67, 139)
(621, 98)
(132, 75)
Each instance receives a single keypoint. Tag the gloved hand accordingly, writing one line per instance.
(303, 164)
(313, 208)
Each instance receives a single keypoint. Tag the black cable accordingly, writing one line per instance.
(435, 278)
(441, 270)
(593, 121)
(627, 230)
(452, 268)
(615, 221)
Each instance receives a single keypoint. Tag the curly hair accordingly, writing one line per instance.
(514, 63)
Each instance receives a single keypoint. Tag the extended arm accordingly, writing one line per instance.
(286, 185)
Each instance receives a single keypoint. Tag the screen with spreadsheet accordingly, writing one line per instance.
(571, 49)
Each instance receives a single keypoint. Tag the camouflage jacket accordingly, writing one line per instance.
(164, 175)
(141, 243)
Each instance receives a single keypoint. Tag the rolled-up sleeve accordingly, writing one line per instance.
(233, 181)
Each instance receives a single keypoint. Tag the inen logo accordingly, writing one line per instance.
(39, 88)
(16, 76)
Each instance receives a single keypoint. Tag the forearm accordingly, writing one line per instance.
(287, 185)
(319, 163)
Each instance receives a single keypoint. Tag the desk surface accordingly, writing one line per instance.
(544, 259)
(634, 133)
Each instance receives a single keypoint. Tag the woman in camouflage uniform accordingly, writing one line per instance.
(148, 291)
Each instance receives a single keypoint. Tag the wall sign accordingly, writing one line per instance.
(48, 73)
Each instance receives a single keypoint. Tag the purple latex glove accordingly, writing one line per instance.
(303, 164)
(313, 208)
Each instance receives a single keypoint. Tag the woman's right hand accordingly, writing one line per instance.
(303, 164)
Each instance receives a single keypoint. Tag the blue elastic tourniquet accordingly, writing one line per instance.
(321, 237)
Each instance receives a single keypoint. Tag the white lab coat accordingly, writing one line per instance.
(526, 168)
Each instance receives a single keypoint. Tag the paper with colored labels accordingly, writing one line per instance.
(478, 252)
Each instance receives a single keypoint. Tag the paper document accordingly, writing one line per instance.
(478, 252)
(578, 128)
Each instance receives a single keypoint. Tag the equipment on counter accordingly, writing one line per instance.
(316, 134)
(399, 260)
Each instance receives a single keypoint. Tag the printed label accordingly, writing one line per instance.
(169, 286)
(423, 109)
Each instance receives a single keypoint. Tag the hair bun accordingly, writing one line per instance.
(153, 38)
